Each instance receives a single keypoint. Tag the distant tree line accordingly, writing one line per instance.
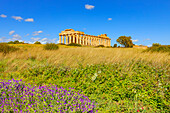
(15, 42)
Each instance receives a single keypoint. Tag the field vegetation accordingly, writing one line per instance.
(111, 79)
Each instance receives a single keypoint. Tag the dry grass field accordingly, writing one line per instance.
(72, 57)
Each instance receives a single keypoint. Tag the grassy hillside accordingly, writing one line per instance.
(118, 79)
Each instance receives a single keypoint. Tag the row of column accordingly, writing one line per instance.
(84, 40)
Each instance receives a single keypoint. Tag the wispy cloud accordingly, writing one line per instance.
(3, 16)
(37, 33)
(135, 40)
(34, 39)
(11, 32)
(17, 18)
(146, 39)
(109, 19)
(16, 37)
(89, 7)
(45, 40)
(149, 45)
(2, 39)
(29, 20)
(26, 35)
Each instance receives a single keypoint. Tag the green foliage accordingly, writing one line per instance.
(37, 42)
(112, 86)
(5, 48)
(100, 46)
(158, 48)
(156, 44)
(115, 45)
(125, 41)
(15, 42)
(74, 44)
(51, 46)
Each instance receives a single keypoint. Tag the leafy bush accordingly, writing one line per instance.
(100, 46)
(115, 45)
(5, 48)
(37, 42)
(156, 44)
(51, 46)
(158, 48)
(74, 44)
(15, 42)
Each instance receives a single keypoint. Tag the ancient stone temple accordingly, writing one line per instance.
(70, 36)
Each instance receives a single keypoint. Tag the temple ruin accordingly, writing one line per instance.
(70, 36)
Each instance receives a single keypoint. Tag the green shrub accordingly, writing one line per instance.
(51, 46)
(74, 44)
(15, 42)
(100, 46)
(156, 44)
(10, 42)
(115, 45)
(5, 48)
(37, 42)
(158, 48)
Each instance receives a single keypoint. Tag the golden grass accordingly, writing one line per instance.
(81, 55)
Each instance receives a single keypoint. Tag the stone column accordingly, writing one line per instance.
(102, 41)
(63, 39)
(77, 38)
(69, 38)
(80, 38)
(91, 40)
(73, 38)
(106, 42)
(59, 38)
(83, 39)
(109, 42)
(66, 39)
(86, 39)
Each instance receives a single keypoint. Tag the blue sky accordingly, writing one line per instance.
(146, 21)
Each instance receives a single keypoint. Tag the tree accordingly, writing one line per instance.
(115, 45)
(156, 45)
(125, 41)
(16, 42)
(10, 42)
(37, 42)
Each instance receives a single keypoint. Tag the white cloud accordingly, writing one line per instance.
(26, 35)
(45, 40)
(58, 41)
(135, 40)
(149, 45)
(109, 19)
(3, 16)
(11, 32)
(2, 39)
(17, 18)
(37, 33)
(35, 39)
(89, 7)
(16, 37)
(147, 39)
(29, 20)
